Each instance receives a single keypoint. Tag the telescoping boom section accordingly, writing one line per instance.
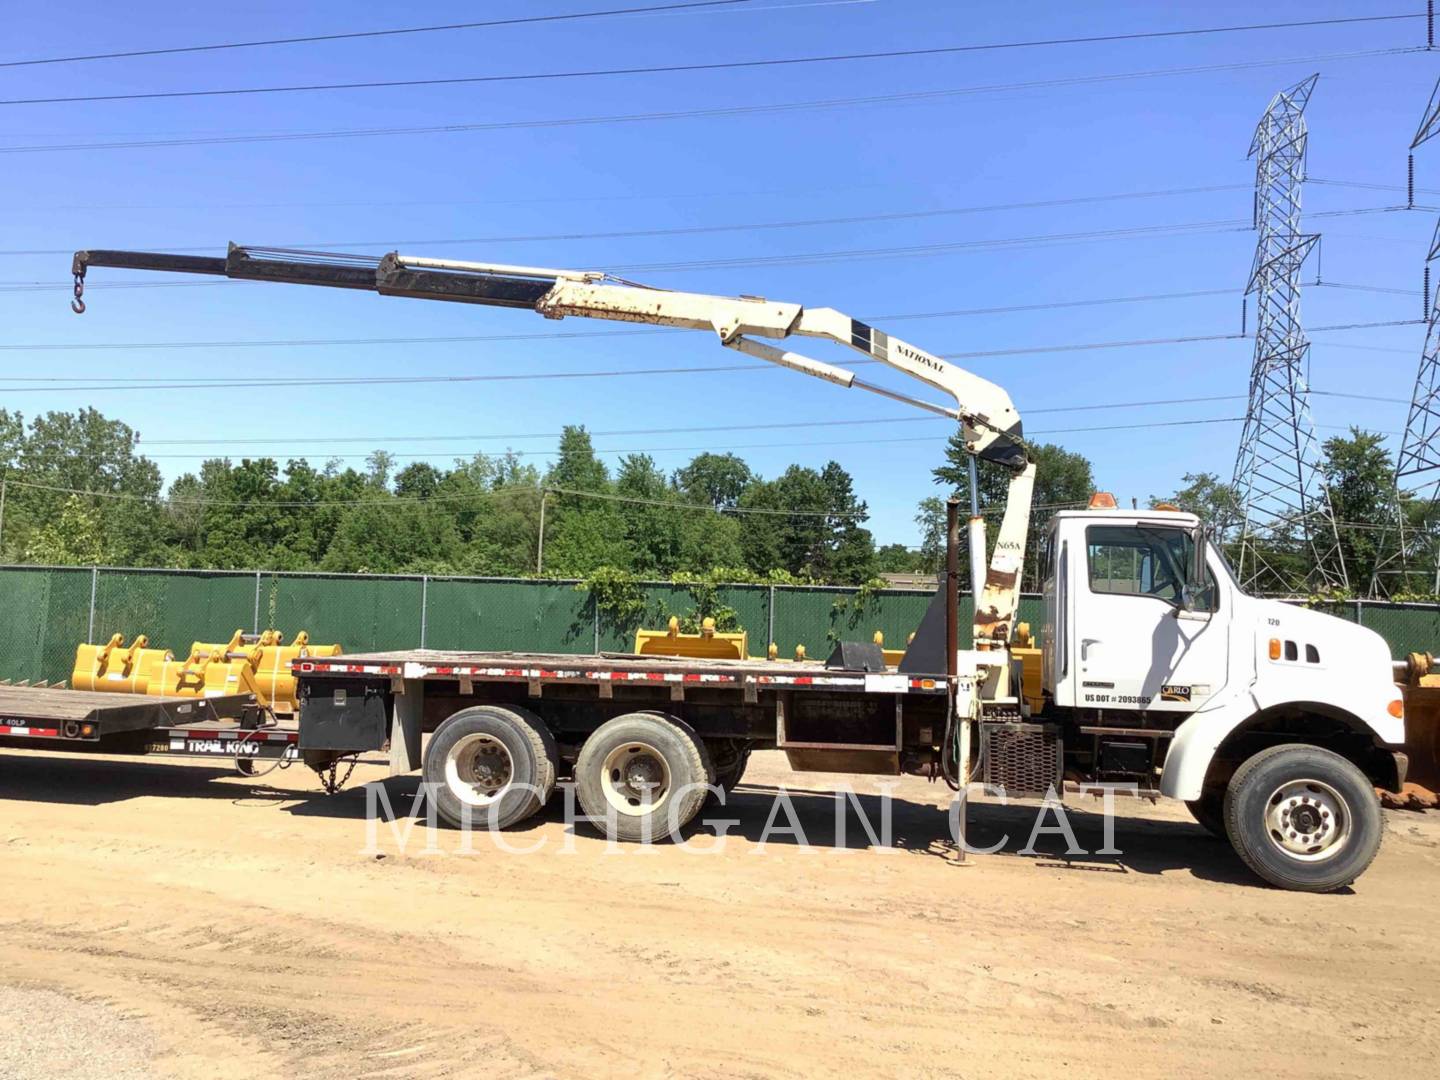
(990, 425)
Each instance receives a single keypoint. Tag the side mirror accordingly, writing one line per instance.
(1194, 587)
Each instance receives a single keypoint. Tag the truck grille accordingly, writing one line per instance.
(1024, 759)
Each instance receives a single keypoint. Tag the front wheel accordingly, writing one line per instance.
(1303, 818)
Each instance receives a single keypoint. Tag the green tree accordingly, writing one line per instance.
(1063, 479)
(1360, 478)
(582, 534)
(899, 559)
(930, 520)
(393, 536)
(75, 538)
(717, 479)
(808, 523)
(495, 502)
(1204, 494)
(83, 451)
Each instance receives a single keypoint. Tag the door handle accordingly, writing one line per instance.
(1085, 644)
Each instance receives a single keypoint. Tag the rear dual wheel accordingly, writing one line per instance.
(643, 776)
(491, 766)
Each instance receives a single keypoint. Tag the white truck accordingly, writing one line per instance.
(1273, 723)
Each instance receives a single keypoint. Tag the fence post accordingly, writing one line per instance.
(256, 628)
(1359, 612)
(595, 611)
(770, 621)
(94, 581)
(424, 605)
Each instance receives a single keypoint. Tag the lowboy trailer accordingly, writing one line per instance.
(232, 727)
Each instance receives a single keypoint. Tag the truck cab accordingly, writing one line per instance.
(1160, 670)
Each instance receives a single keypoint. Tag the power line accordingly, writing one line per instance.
(1144, 342)
(52, 383)
(588, 197)
(596, 198)
(1363, 186)
(352, 35)
(811, 444)
(885, 421)
(903, 251)
(694, 230)
(566, 335)
(784, 426)
(668, 69)
(688, 114)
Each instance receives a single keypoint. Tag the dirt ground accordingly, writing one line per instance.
(177, 920)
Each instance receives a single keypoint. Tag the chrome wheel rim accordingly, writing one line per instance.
(635, 779)
(478, 769)
(1308, 820)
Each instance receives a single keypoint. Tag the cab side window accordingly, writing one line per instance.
(1132, 560)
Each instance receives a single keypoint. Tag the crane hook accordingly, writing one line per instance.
(78, 304)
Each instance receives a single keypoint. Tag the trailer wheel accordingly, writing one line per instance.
(1303, 818)
(496, 765)
(642, 776)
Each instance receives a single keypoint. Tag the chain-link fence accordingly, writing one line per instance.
(48, 611)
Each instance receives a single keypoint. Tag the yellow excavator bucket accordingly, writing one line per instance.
(892, 656)
(273, 673)
(1422, 730)
(256, 664)
(708, 644)
(114, 668)
(1032, 668)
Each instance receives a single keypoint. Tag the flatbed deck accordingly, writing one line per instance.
(48, 717)
(434, 664)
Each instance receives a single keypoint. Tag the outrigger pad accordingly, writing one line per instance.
(856, 656)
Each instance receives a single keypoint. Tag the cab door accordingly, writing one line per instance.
(1133, 643)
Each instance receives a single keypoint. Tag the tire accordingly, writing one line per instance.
(642, 776)
(729, 758)
(1303, 818)
(499, 764)
(1209, 812)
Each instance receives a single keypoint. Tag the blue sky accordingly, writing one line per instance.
(421, 192)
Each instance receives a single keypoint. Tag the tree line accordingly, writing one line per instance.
(79, 491)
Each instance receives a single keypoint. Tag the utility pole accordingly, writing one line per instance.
(540, 540)
(1284, 504)
(4, 480)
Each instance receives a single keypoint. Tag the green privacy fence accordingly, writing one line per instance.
(46, 611)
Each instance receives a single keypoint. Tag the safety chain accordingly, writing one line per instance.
(78, 304)
(330, 783)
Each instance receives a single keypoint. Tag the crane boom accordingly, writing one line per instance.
(990, 426)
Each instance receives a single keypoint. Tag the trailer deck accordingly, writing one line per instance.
(36, 717)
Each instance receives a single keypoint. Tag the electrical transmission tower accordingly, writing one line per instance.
(1287, 538)
(1402, 561)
